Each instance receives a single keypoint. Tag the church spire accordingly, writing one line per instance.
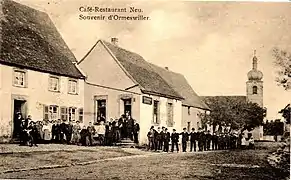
(255, 61)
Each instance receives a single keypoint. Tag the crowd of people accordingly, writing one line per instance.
(200, 140)
(101, 132)
(111, 132)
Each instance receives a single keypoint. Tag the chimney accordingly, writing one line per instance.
(114, 40)
(167, 68)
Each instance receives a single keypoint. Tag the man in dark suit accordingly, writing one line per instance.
(159, 139)
(161, 144)
(33, 134)
(63, 131)
(193, 139)
(130, 127)
(175, 140)
(214, 141)
(135, 131)
(201, 140)
(23, 132)
(166, 138)
(69, 132)
(150, 135)
(208, 140)
(91, 131)
(185, 139)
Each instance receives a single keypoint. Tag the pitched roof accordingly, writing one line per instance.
(142, 72)
(29, 39)
(180, 85)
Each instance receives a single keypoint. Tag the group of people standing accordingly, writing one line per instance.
(200, 140)
(101, 132)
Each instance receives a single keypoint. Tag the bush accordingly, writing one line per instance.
(281, 158)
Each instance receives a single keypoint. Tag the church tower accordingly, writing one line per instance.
(255, 84)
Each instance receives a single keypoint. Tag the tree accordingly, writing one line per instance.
(286, 113)
(237, 112)
(283, 62)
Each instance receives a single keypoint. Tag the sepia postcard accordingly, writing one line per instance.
(95, 89)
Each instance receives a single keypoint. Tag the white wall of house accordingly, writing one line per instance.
(114, 103)
(101, 69)
(36, 93)
(146, 116)
(191, 116)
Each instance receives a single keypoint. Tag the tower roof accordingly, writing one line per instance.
(255, 74)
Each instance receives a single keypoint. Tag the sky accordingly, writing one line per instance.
(210, 43)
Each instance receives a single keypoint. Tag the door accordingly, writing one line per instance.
(127, 106)
(101, 110)
(18, 110)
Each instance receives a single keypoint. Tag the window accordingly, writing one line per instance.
(54, 83)
(72, 114)
(19, 78)
(170, 119)
(156, 112)
(72, 86)
(255, 90)
(189, 111)
(64, 113)
(53, 112)
(81, 114)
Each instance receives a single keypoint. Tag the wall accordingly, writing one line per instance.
(36, 94)
(101, 69)
(193, 118)
(146, 115)
(255, 98)
(114, 105)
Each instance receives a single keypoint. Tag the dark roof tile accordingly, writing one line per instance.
(143, 72)
(180, 85)
(29, 39)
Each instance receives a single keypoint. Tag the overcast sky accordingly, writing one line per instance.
(210, 43)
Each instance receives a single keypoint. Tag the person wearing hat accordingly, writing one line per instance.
(193, 139)
(162, 138)
(185, 139)
(33, 133)
(175, 140)
(23, 133)
(150, 135)
(166, 140)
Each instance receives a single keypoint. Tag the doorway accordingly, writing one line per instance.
(101, 110)
(19, 108)
(127, 106)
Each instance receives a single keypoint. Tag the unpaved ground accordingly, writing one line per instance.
(248, 164)
(36, 159)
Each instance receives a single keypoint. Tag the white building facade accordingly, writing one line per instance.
(44, 96)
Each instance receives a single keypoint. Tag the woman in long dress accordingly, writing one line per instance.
(47, 135)
(76, 133)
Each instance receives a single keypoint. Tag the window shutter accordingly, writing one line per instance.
(46, 112)
(81, 115)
